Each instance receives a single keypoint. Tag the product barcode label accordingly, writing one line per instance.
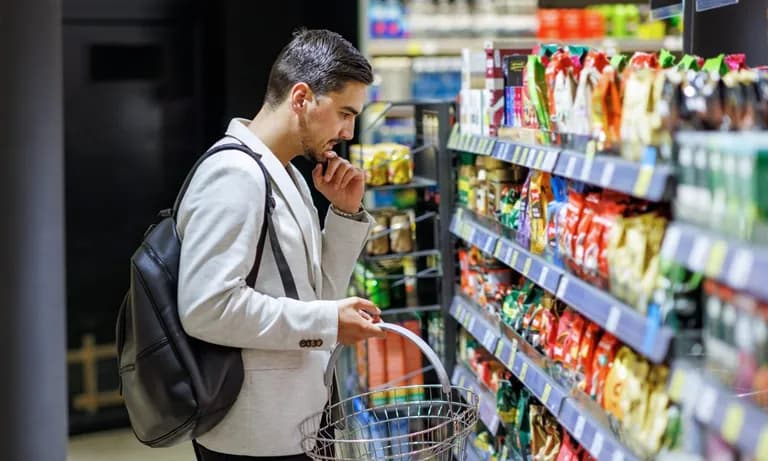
(671, 242)
(597, 445)
(562, 288)
(607, 176)
(578, 431)
(706, 405)
(570, 167)
(612, 324)
(543, 276)
(741, 269)
(698, 256)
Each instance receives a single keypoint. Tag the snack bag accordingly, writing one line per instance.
(574, 210)
(619, 62)
(690, 62)
(655, 423)
(601, 366)
(666, 59)
(540, 194)
(505, 402)
(552, 441)
(606, 110)
(557, 351)
(716, 64)
(561, 82)
(523, 227)
(579, 246)
(586, 355)
(736, 62)
(569, 450)
(579, 121)
(636, 125)
(536, 86)
(636, 392)
(609, 215)
(573, 342)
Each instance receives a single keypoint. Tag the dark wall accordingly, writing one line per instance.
(739, 28)
(149, 84)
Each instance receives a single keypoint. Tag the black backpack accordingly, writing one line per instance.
(177, 387)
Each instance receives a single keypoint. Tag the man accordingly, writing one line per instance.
(316, 88)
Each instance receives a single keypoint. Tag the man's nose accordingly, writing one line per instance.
(347, 131)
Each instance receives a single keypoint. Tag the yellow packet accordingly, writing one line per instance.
(656, 418)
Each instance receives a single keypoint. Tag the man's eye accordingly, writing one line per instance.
(346, 115)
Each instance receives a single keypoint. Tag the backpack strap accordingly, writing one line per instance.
(267, 227)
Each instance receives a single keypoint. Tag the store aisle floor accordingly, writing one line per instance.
(121, 445)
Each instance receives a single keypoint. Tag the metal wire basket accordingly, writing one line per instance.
(428, 422)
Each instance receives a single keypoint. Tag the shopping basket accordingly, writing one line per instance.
(427, 422)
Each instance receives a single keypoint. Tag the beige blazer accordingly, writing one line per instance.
(286, 342)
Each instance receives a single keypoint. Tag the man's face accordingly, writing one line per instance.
(330, 119)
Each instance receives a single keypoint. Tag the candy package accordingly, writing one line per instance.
(606, 110)
(601, 366)
(579, 122)
(536, 91)
(540, 194)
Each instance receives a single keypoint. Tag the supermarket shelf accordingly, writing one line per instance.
(453, 46)
(476, 324)
(537, 157)
(470, 451)
(416, 182)
(737, 264)
(410, 310)
(738, 420)
(463, 377)
(621, 320)
(644, 181)
(414, 254)
(475, 144)
(579, 415)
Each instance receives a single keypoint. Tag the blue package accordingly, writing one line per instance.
(399, 447)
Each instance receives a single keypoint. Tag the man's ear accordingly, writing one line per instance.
(301, 95)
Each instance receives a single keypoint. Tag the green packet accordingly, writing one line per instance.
(716, 64)
(619, 62)
(537, 90)
(666, 59)
(689, 62)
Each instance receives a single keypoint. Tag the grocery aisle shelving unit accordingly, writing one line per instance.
(583, 418)
(739, 264)
(431, 172)
(579, 415)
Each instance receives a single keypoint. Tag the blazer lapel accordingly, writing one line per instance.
(317, 242)
(284, 185)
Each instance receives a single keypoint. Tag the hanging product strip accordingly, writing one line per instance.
(660, 131)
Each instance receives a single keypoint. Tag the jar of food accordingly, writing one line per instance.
(378, 246)
(401, 236)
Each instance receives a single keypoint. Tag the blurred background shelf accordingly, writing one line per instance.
(452, 46)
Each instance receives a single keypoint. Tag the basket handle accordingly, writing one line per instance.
(442, 375)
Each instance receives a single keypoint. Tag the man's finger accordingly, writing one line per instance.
(341, 176)
(333, 165)
(376, 331)
(317, 172)
(348, 177)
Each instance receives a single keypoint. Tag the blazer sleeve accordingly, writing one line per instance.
(219, 223)
(343, 240)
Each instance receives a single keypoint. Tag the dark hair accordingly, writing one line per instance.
(322, 59)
